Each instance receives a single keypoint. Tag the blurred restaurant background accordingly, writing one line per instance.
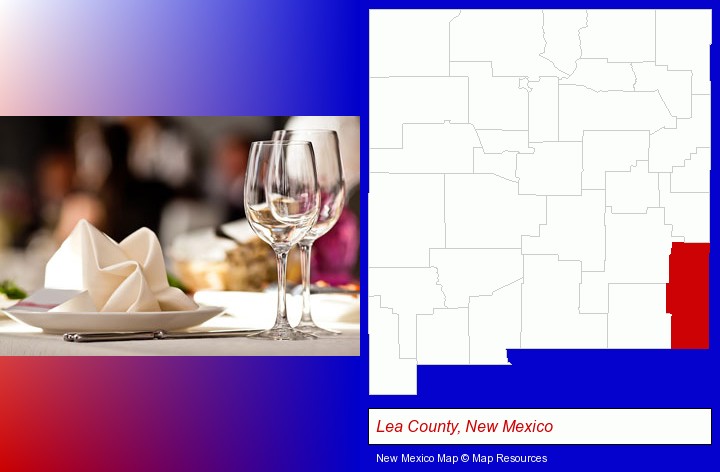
(182, 177)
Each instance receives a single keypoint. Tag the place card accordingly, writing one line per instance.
(50, 299)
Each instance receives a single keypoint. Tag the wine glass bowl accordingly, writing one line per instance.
(330, 175)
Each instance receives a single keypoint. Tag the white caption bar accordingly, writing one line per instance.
(540, 426)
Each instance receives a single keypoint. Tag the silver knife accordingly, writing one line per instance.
(159, 334)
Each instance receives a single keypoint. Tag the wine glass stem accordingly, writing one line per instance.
(281, 320)
(305, 257)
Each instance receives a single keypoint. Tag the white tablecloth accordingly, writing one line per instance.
(20, 340)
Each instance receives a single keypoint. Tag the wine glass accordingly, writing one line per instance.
(331, 181)
(281, 202)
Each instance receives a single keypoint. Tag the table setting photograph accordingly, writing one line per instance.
(179, 236)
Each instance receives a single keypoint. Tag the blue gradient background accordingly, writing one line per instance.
(274, 414)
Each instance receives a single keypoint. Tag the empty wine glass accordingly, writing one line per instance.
(331, 181)
(281, 203)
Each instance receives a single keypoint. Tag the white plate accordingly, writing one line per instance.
(65, 322)
(258, 308)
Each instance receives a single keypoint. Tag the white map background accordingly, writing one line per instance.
(529, 171)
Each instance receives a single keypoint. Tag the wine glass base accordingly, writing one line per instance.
(312, 328)
(282, 334)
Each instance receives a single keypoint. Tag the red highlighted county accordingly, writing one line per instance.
(687, 295)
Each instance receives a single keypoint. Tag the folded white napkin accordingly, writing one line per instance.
(125, 277)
